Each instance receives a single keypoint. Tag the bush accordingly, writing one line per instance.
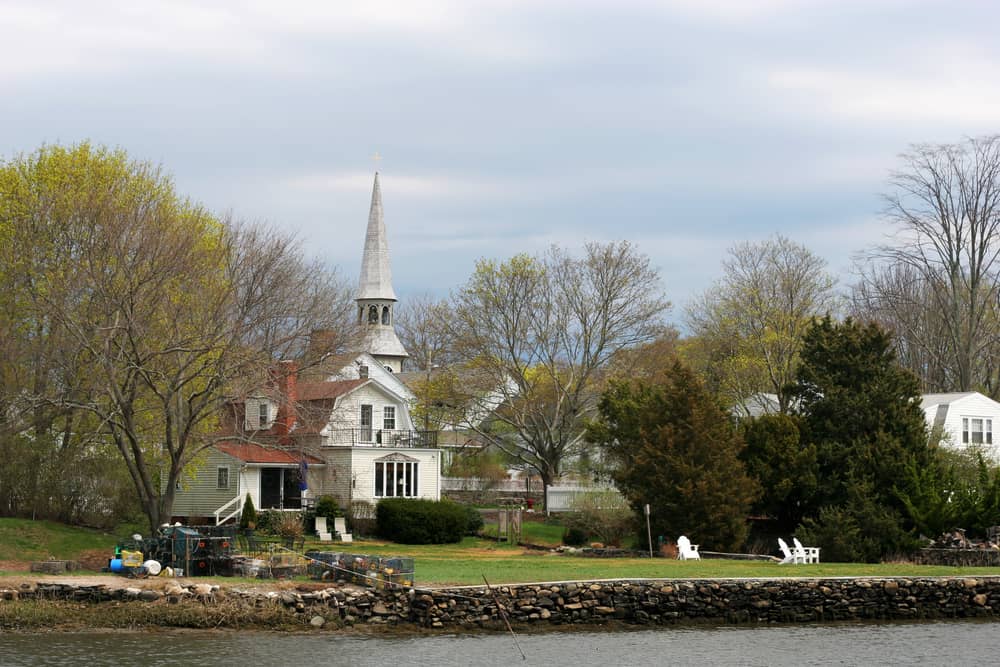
(420, 521)
(248, 517)
(603, 515)
(267, 520)
(327, 506)
(474, 520)
(575, 536)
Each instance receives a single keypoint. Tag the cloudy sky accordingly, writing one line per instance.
(681, 125)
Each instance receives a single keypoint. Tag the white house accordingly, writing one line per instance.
(964, 420)
(348, 434)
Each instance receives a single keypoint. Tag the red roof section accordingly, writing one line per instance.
(317, 391)
(251, 453)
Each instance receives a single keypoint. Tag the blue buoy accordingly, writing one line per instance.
(116, 565)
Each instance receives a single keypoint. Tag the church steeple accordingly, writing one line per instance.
(376, 276)
(376, 298)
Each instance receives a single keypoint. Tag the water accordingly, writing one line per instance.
(952, 643)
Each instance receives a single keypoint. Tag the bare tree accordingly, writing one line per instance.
(748, 328)
(421, 322)
(542, 330)
(945, 208)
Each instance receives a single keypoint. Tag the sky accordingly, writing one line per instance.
(683, 126)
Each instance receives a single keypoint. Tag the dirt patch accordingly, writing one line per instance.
(93, 559)
(14, 566)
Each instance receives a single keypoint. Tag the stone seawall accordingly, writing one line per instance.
(640, 602)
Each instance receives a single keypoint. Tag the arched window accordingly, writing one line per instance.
(361, 314)
(385, 314)
(373, 314)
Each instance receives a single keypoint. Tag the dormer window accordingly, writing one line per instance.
(258, 414)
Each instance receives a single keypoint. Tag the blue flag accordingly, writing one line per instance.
(303, 471)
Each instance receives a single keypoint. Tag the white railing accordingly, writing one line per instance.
(477, 484)
(218, 512)
(560, 498)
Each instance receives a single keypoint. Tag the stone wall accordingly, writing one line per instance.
(638, 602)
(958, 557)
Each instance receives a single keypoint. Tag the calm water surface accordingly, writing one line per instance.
(946, 643)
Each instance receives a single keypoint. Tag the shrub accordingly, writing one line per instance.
(248, 517)
(289, 525)
(474, 520)
(410, 521)
(601, 514)
(575, 536)
(327, 506)
(267, 520)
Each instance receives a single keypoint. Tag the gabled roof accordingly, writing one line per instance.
(927, 400)
(253, 453)
(319, 391)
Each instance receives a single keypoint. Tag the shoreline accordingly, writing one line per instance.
(62, 605)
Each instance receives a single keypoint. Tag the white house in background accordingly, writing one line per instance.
(964, 419)
(349, 434)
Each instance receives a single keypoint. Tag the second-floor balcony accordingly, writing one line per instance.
(380, 437)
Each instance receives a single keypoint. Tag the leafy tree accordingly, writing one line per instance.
(784, 466)
(673, 447)
(748, 329)
(158, 310)
(861, 411)
(540, 332)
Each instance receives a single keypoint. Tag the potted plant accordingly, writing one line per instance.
(289, 528)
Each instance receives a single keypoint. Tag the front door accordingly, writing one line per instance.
(270, 488)
(279, 489)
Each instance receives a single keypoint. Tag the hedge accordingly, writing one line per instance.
(411, 521)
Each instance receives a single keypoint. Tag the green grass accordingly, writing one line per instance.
(533, 532)
(466, 562)
(24, 539)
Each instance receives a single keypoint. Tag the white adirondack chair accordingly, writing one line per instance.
(686, 550)
(322, 531)
(340, 527)
(809, 554)
(788, 554)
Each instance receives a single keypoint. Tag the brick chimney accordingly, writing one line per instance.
(286, 382)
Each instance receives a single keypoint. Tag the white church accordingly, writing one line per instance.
(348, 434)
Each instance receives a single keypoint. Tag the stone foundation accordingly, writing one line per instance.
(958, 557)
(637, 602)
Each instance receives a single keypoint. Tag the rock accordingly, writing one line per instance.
(317, 621)
(970, 583)
(149, 595)
(980, 599)
(132, 592)
(890, 586)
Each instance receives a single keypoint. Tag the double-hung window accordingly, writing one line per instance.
(977, 431)
(222, 477)
(389, 418)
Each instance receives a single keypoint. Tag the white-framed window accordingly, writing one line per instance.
(396, 479)
(264, 414)
(222, 477)
(389, 418)
(977, 431)
(366, 424)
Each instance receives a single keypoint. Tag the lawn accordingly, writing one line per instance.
(466, 562)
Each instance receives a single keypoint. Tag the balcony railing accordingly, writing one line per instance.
(375, 437)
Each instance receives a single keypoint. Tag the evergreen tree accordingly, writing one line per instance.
(785, 467)
(862, 412)
(673, 447)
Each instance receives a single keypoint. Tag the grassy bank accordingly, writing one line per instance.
(466, 562)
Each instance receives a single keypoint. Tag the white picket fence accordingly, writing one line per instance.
(560, 497)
